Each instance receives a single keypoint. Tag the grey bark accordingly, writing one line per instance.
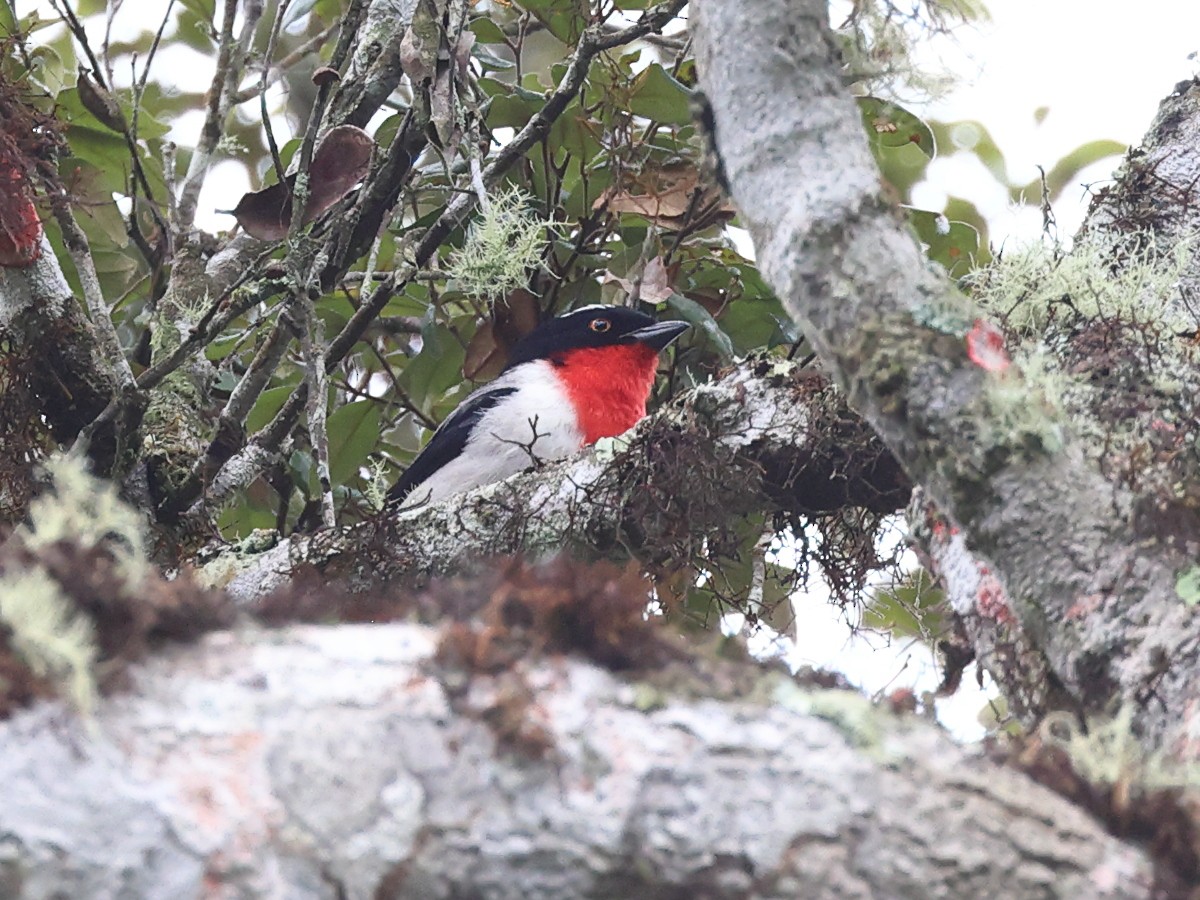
(989, 448)
(41, 318)
(323, 762)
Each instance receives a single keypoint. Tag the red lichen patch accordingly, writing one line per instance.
(30, 144)
(20, 227)
(985, 347)
(1084, 607)
(991, 600)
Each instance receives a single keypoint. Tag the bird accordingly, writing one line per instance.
(574, 379)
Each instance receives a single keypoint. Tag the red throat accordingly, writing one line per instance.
(608, 386)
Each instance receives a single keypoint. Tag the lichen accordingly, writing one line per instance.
(501, 247)
(55, 640)
(1036, 285)
(1103, 337)
(86, 511)
(1107, 752)
(850, 712)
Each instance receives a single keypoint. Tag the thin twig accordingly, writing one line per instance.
(219, 92)
(276, 161)
(276, 72)
(76, 243)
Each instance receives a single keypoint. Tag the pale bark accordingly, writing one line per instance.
(40, 319)
(989, 448)
(343, 762)
(758, 439)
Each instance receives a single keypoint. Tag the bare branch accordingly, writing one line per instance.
(76, 243)
(230, 60)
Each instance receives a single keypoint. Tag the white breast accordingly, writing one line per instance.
(535, 424)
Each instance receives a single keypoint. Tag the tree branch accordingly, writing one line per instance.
(759, 439)
(990, 448)
(349, 761)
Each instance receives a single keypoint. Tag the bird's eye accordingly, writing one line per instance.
(600, 325)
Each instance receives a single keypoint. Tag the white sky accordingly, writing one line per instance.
(1100, 67)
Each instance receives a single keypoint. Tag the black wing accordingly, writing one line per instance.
(448, 441)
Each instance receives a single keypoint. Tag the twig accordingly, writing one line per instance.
(219, 95)
(77, 246)
(262, 94)
(276, 71)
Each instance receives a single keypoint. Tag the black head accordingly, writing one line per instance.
(594, 326)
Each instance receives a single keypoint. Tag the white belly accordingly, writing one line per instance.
(536, 424)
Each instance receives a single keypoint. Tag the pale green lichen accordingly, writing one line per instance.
(1187, 586)
(854, 715)
(1107, 752)
(501, 247)
(378, 483)
(87, 512)
(1025, 409)
(54, 639)
(1099, 278)
(1101, 336)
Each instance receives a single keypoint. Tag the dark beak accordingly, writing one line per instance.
(659, 335)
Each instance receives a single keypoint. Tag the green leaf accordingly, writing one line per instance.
(953, 244)
(755, 323)
(437, 368)
(269, 402)
(1064, 172)
(691, 311)
(889, 125)
(914, 608)
(489, 60)
(565, 19)
(486, 31)
(511, 105)
(656, 95)
(972, 137)
(353, 431)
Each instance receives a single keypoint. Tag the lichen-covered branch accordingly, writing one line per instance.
(54, 347)
(1154, 197)
(761, 439)
(348, 761)
(990, 447)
